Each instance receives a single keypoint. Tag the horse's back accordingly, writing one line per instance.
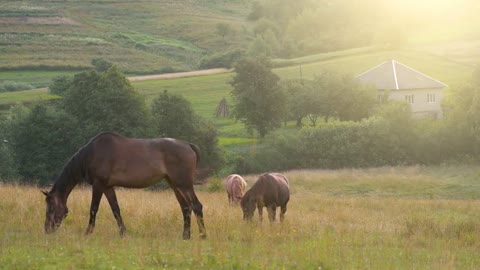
(270, 189)
(275, 188)
(132, 162)
(234, 182)
(235, 186)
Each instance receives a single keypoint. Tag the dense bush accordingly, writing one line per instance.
(60, 85)
(221, 60)
(369, 143)
(8, 168)
(9, 86)
(42, 139)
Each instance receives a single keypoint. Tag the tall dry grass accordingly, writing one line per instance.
(327, 226)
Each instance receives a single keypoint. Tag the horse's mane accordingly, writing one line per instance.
(74, 170)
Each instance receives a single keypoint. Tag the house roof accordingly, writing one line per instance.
(393, 75)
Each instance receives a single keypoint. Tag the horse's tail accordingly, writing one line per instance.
(201, 173)
(195, 149)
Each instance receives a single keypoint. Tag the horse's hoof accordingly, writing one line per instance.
(186, 236)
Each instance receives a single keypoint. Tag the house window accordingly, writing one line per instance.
(409, 98)
(431, 98)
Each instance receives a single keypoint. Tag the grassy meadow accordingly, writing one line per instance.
(382, 218)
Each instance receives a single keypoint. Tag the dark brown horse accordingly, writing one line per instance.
(110, 160)
(271, 190)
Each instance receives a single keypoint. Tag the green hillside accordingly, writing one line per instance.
(138, 36)
(206, 91)
(43, 39)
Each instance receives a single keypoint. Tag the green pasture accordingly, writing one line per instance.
(378, 218)
(10, 98)
(38, 79)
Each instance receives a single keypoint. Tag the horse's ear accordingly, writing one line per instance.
(44, 192)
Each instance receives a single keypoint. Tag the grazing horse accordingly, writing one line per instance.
(235, 186)
(271, 190)
(110, 160)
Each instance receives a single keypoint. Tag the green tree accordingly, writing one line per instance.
(60, 85)
(263, 26)
(223, 30)
(8, 168)
(43, 139)
(101, 64)
(174, 117)
(462, 117)
(259, 101)
(341, 96)
(259, 48)
(107, 102)
(298, 96)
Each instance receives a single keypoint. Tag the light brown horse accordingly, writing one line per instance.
(110, 160)
(271, 190)
(235, 187)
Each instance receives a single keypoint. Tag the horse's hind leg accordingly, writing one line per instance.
(230, 199)
(194, 204)
(112, 200)
(260, 212)
(197, 209)
(97, 193)
(272, 211)
(283, 209)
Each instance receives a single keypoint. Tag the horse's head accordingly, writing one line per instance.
(56, 211)
(248, 204)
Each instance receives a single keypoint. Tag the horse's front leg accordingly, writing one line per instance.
(97, 193)
(112, 200)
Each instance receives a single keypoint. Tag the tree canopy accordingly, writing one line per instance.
(43, 138)
(259, 102)
(174, 117)
(107, 102)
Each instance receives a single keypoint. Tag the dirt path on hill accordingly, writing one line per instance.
(172, 75)
(179, 74)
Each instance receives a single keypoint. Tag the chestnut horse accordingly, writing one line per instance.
(110, 160)
(271, 190)
(235, 186)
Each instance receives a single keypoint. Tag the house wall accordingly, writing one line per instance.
(421, 105)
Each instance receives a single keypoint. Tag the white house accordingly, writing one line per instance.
(401, 82)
